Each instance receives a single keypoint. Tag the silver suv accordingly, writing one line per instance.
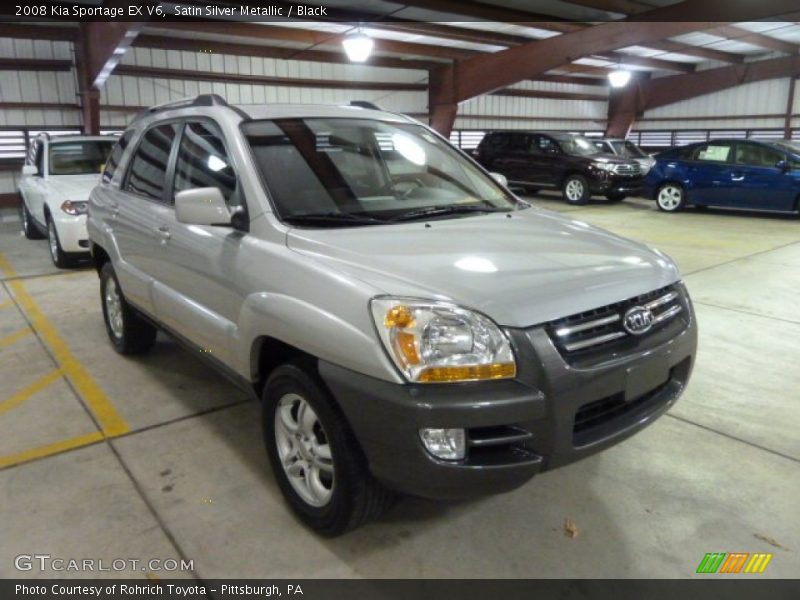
(408, 324)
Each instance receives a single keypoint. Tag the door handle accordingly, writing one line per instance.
(736, 177)
(163, 233)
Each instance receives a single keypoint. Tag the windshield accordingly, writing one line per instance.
(79, 158)
(628, 149)
(577, 145)
(347, 172)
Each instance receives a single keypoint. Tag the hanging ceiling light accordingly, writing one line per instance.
(358, 46)
(619, 78)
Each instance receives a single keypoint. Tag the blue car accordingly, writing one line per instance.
(735, 174)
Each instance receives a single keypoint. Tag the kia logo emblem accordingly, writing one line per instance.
(638, 320)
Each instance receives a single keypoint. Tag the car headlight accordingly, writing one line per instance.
(604, 166)
(75, 207)
(436, 342)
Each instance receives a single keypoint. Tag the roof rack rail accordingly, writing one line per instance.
(199, 100)
(364, 104)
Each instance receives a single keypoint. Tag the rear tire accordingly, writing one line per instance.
(57, 254)
(315, 457)
(128, 331)
(671, 197)
(28, 226)
(576, 190)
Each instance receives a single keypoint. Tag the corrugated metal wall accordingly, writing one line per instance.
(549, 113)
(763, 97)
(32, 86)
(145, 91)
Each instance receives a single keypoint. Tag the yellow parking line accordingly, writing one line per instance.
(14, 337)
(25, 393)
(111, 422)
(49, 449)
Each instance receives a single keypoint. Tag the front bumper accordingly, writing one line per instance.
(545, 418)
(72, 233)
(630, 186)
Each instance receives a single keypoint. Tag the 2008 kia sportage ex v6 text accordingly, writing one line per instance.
(409, 325)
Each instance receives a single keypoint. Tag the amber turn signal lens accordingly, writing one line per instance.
(398, 316)
(473, 373)
(406, 344)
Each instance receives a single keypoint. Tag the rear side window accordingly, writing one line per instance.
(203, 162)
(116, 156)
(148, 171)
(495, 141)
(756, 155)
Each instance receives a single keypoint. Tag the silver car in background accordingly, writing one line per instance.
(626, 149)
(408, 324)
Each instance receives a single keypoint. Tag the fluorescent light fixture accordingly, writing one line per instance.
(358, 47)
(619, 78)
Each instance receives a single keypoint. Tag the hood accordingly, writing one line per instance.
(73, 187)
(531, 267)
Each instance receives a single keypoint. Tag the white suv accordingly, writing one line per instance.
(408, 324)
(57, 177)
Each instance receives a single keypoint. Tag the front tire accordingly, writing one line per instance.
(28, 226)
(315, 458)
(576, 190)
(128, 331)
(57, 254)
(671, 197)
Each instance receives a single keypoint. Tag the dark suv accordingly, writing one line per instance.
(564, 161)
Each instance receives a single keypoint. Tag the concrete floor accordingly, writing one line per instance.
(106, 457)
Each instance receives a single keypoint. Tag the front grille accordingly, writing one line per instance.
(629, 169)
(603, 328)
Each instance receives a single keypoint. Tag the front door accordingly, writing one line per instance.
(709, 174)
(197, 293)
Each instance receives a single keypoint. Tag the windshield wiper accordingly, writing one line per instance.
(332, 218)
(437, 211)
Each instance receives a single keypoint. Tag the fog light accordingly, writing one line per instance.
(447, 444)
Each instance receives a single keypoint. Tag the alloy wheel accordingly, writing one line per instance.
(52, 238)
(304, 450)
(574, 190)
(670, 197)
(114, 308)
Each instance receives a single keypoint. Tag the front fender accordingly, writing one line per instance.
(313, 330)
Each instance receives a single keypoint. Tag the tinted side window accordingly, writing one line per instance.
(713, 153)
(518, 142)
(116, 155)
(148, 171)
(203, 162)
(756, 155)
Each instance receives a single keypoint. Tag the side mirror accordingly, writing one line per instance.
(30, 170)
(202, 206)
(782, 165)
(500, 178)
